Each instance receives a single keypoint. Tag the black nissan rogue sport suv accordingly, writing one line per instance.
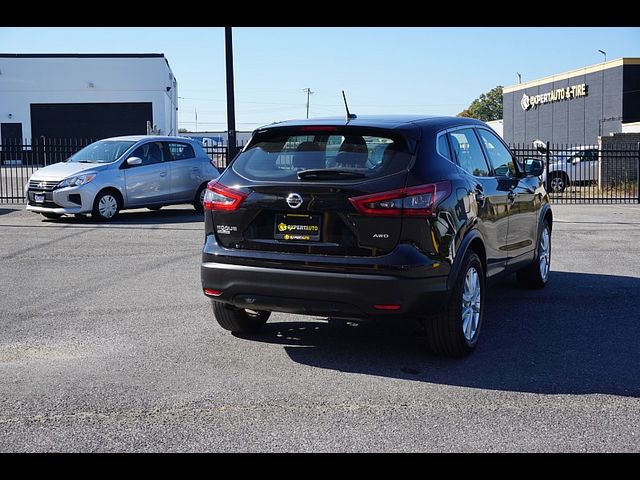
(373, 217)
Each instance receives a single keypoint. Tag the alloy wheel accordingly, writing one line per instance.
(471, 298)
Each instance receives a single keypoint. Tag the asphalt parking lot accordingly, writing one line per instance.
(107, 344)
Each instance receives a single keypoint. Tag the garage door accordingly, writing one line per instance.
(89, 120)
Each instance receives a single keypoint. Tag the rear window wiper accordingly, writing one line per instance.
(328, 174)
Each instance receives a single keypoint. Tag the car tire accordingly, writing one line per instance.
(455, 331)
(239, 320)
(558, 182)
(156, 208)
(536, 275)
(106, 205)
(51, 216)
(199, 197)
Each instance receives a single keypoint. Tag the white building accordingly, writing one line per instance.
(86, 96)
(497, 126)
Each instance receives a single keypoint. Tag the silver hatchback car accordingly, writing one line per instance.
(123, 172)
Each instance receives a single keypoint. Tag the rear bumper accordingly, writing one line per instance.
(322, 293)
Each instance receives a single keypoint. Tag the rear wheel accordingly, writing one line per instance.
(455, 332)
(52, 216)
(199, 198)
(239, 320)
(536, 275)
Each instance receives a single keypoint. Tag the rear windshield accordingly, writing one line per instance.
(279, 156)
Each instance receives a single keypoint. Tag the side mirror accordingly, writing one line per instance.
(540, 146)
(533, 167)
(133, 161)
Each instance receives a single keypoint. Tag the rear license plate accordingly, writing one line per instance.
(39, 197)
(297, 227)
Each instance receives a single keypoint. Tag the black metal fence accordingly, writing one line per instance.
(588, 173)
(573, 173)
(19, 159)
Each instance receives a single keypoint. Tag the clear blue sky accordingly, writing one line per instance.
(383, 70)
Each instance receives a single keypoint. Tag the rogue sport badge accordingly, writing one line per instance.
(294, 200)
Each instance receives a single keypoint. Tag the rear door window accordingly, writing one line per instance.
(180, 151)
(468, 152)
(280, 155)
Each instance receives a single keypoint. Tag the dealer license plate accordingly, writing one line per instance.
(297, 227)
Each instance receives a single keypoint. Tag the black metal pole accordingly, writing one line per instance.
(638, 174)
(547, 156)
(231, 111)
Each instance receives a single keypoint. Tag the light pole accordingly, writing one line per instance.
(600, 130)
(519, 78)
(603, 53)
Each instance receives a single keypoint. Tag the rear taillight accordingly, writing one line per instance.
(219, 197)
(412, 201)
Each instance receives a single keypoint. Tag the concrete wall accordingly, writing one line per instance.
(87, 80)
(620, 161)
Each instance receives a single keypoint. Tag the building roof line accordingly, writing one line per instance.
(573, 73)
(81, 55)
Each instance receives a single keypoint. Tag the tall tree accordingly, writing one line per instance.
(487, 107)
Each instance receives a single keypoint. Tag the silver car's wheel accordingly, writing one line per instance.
(545, 253)
(198, 201)
(106, 206)
(471, 298)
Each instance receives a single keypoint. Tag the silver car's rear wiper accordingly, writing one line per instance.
(328, 174)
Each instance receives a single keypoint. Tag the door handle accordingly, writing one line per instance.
(163, 174)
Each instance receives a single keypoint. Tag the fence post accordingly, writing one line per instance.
(638, 175)
(546, 166)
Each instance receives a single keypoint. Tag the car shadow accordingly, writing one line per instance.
(139, 217)
(4, 211)
(577, 336)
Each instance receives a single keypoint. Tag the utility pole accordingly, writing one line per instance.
(309, 92)
(231, 112)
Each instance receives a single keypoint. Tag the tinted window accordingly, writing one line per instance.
(468, 152)
(280, 156)
(149, 153)
(443, 146)
(181, 151)
(499, 155)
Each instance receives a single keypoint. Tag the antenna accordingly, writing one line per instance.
(350, 116)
